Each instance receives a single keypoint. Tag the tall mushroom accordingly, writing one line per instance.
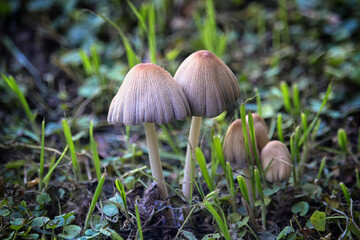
(275, 157)
(210, 86)
(149, 95)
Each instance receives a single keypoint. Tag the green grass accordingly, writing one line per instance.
(95, 155)
(10, 81)
(70, 143)
(94, 201)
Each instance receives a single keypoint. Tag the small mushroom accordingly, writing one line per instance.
(234, 146)
(210, 86)
(149, 95)
(275, 157)
(235, 153)
(261, 131)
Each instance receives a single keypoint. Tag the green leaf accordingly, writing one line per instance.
(17, 223)
(188, 235)
(4, 212)
(39, 222)
(71, 231)
(318, 220)
(283, 233)
(243, 222)
(110, 210)
(114, 235)
(211, 236)
(300, 207)
(43, 198)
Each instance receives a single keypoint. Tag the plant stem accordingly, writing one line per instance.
(192, 144)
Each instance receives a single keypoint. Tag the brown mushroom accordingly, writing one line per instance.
(276, 160)
(210, 86)
(149, 95)
(235, 153)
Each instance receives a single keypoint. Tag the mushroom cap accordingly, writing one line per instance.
(208, 83)
(280, 168)
(148, 94)
(261, 131)
(234, 146)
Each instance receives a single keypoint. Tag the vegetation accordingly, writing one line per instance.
(67, 174)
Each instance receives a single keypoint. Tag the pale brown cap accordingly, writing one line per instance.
(208, 83)
(148, 94)
(234, 146)
(261, 131)
(280, 168)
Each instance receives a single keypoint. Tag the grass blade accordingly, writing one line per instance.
(230, 176)
(152, 33)
(322, 165)
(296, 98)
(261, 193)
(94, 200)
(258, 102)
(86, 62)
(279, 128)
(130, 54)
(138, 221)
(42, 154)
(48, 175)
(13, 85)
(94, 151)
(306, 134)
(202, 164)
(219, 152)
(70, 143)
(286, 96)
(243, 188)
(121, 189)
(221, 221)
(345, 192)
(138, 15)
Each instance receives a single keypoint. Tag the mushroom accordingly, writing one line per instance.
(235, 153)
(149, 95)
(276, 160)
(261, 131)
(210, 86)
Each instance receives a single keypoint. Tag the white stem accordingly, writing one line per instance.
(192, 144)
(154, 157)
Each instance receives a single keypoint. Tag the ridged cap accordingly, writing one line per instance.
(234, 146)
(280, 168)
(208, 83)
(148, 94)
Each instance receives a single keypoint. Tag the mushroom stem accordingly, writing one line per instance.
(154, 157)
(192, 144)
(155, 164)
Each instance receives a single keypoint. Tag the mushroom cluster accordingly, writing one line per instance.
(203, 86)
(274, 155)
